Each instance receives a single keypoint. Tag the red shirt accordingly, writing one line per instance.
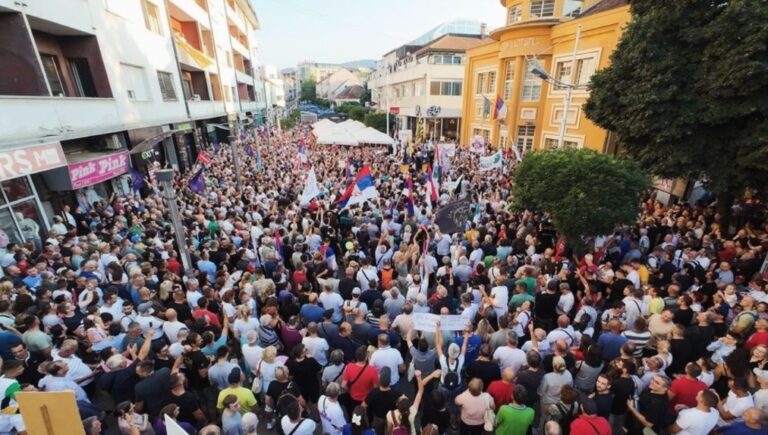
(501, 392)
(756, 339)
(363, 385)
(212, 319)
(590, 426)
(685, 390)
(173, 265)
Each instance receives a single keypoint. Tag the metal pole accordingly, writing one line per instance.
(386, 96)
(569, 86)
(165, 178)
(234, 128)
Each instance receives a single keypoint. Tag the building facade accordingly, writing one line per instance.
(424, 81)
(314, 71)
(549, 34)
(336, 83)
(92, 87)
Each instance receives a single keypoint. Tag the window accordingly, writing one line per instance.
(503, 140)
(446, 59)
(525, 135)
(509, 80)
(480, 83)
(531, 87)
(166, 86)
(186, 85)
(584, 69)
(81, 76)
(552, 143)
(479, 108)
(482, 132)
(542, 8)
(151, 17)
(572, 8)
(134, 82)
(491, 82)
(51, 68)
(445, 88)
(562, 74)
(515, 14)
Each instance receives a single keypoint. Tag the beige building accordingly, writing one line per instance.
(335, 84)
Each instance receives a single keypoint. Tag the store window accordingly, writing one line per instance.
(21, 217)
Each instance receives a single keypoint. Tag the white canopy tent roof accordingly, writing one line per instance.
(349, 132)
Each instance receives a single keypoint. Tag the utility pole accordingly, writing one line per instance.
(165, 178)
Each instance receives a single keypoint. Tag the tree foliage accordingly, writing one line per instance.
(357, 113)
(309, 91)
(585, 193)
(686, 91)
(290, 121)
(377, 120)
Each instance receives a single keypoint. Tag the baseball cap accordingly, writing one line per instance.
(760, 373)
(356, 291)
(589, 406)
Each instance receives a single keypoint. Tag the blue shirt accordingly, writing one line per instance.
(473, 346)
(32, 282)
(312, 313)
(209, 268)
(741, 428)
(611, 345)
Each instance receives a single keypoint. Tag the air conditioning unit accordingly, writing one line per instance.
(196, 97)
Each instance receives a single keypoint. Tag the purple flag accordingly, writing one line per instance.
(216, 147)
(197, 182)
(249, 150)
(137, 179)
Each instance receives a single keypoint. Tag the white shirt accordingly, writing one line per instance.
(332, 301)
(736, 406)
(306, 426)
(476, 257)
(77, 368)
(633, 309)
(331, 415)
(318, 348)
(171, 330)
(510, 357)
(192, 297)
(565, 303)
(694, 421)
(252, 356)
(567, 334)
(500, 297)
(147, 322)
(388, 357)
(365, 275)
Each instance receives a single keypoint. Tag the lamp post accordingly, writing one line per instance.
(165, 178)
(569, 87)
(233, 130)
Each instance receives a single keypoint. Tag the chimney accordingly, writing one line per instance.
(483, 30)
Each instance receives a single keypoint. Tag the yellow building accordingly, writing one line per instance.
(541, 33)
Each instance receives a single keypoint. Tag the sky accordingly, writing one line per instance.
(337, 31)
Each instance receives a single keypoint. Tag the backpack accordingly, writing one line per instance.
(566, 416)
(451, 379)
(398, 430)
(386, 277)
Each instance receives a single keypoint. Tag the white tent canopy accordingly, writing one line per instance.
(349, 132)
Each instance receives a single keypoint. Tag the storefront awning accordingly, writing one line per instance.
(148, 143)
(17, 162)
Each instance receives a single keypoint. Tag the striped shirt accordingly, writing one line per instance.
(639, 339)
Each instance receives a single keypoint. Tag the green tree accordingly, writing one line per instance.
(357, 113)
(290, 121)
(377, 120)
(585, 193)
(309, 91)
(686, 92)
(346, 107)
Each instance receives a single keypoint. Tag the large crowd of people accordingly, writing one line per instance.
(298, 319)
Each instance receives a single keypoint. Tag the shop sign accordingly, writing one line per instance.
(95, 171)
(24, 161)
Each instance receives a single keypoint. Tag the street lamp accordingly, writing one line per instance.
(541, 73)
(165, 178)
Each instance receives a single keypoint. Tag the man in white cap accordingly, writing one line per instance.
(147, 321)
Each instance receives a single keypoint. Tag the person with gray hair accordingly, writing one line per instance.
(331, 413)
(316, 346)
(552, 428)
(509, 355)
(333, 371)
(394, 303)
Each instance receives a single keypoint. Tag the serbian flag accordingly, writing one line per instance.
(432, 187)
(203, 158)
(409, 185)
(360, 190)
(499, 109)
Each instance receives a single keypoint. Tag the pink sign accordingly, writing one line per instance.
(95, 171)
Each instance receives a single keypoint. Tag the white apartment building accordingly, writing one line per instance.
(336, 83)
(424, 80)
(91, 87)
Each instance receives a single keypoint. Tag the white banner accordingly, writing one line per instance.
(448, 322)
(490, 162)
(477, 145)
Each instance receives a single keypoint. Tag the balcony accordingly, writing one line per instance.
(240, 48)
(233, 17)
(24, 117)
(189, 10)
(206, 109)
(191, 56)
